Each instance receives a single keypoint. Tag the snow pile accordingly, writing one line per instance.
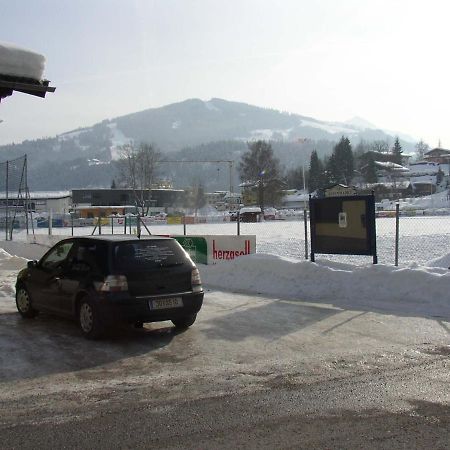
(20, 62)
(443, 261)
(9, 262)
(415, 289)
(9, 267)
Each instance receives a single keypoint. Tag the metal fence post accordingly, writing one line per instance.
(184, 224)
(305, 218)
(99, 225)
(397, 230)
(238, 223)
(7, 200)
(50, 222)
(124, 224)
(71, 222)
(112, 225)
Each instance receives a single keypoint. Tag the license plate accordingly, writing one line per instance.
(164, 303)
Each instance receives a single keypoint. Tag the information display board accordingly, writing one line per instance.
(343, 225)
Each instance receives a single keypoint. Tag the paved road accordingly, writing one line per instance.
(252, 372)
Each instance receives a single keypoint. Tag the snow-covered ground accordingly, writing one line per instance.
(412, 289)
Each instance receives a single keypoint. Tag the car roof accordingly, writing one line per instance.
(119, 238)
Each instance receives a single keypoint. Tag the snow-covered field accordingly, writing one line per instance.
(420, 287)
(421, 238)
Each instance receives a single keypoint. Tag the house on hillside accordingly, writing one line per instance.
(294, 199)
(224, 200)
(388, 190)
(437, 155)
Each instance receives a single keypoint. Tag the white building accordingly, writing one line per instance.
(59, 202)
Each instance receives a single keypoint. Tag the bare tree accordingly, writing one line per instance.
(137, 166)
(380, 146)
(421, 148)
(196, 196)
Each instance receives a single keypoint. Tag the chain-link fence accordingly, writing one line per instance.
(14, 196)
(421, 238)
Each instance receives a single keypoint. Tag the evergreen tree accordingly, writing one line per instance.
(370, 172)
(261, 169)
(341, 162)
(315, 172)
(332, 170)
(397, 152)
(294, 178)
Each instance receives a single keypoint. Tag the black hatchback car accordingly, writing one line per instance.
(103, 280)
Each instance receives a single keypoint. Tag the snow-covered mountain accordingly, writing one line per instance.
(174, 128)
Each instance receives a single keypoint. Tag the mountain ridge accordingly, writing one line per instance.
(186, 129)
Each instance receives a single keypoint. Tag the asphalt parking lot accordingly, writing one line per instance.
(253, 372)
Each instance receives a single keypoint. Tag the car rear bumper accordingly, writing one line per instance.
(138, 309)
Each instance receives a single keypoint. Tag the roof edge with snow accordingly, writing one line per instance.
(22, 70)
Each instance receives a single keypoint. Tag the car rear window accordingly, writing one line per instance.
(145, 255)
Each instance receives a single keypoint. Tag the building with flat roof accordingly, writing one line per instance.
(59, 202)
(162, 199)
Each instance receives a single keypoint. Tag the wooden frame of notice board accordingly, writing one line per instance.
(343, 225)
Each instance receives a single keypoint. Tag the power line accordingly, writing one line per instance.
(228, 161)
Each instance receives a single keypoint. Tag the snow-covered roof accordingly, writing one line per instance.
(438, 151)
(390, 185)
(295, 196)
(250, 209)
(232, 195)
(391, 166)
(21, 70)
(38, 195)
(19, 62)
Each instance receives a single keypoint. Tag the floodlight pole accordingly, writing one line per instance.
(27, 204)
(7, 199)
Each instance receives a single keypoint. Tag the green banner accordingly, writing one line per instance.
(195, 246)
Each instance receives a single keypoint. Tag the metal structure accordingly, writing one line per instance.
(15, 200)
(228, 161)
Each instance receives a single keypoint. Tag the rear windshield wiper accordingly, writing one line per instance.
(171, 264)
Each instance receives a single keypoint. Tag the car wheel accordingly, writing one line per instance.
(184, 322)
(91, 324)
(23, 303)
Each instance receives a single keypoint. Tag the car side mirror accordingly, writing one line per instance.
(31, 264)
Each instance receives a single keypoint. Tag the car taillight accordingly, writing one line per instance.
(196, 281)
(114, 283)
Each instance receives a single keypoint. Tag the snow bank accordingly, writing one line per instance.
(20, 62)
(411, 290)
(9, 266)
(443, 261)
(9, 262)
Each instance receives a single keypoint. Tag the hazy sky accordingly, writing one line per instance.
(384, 60)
